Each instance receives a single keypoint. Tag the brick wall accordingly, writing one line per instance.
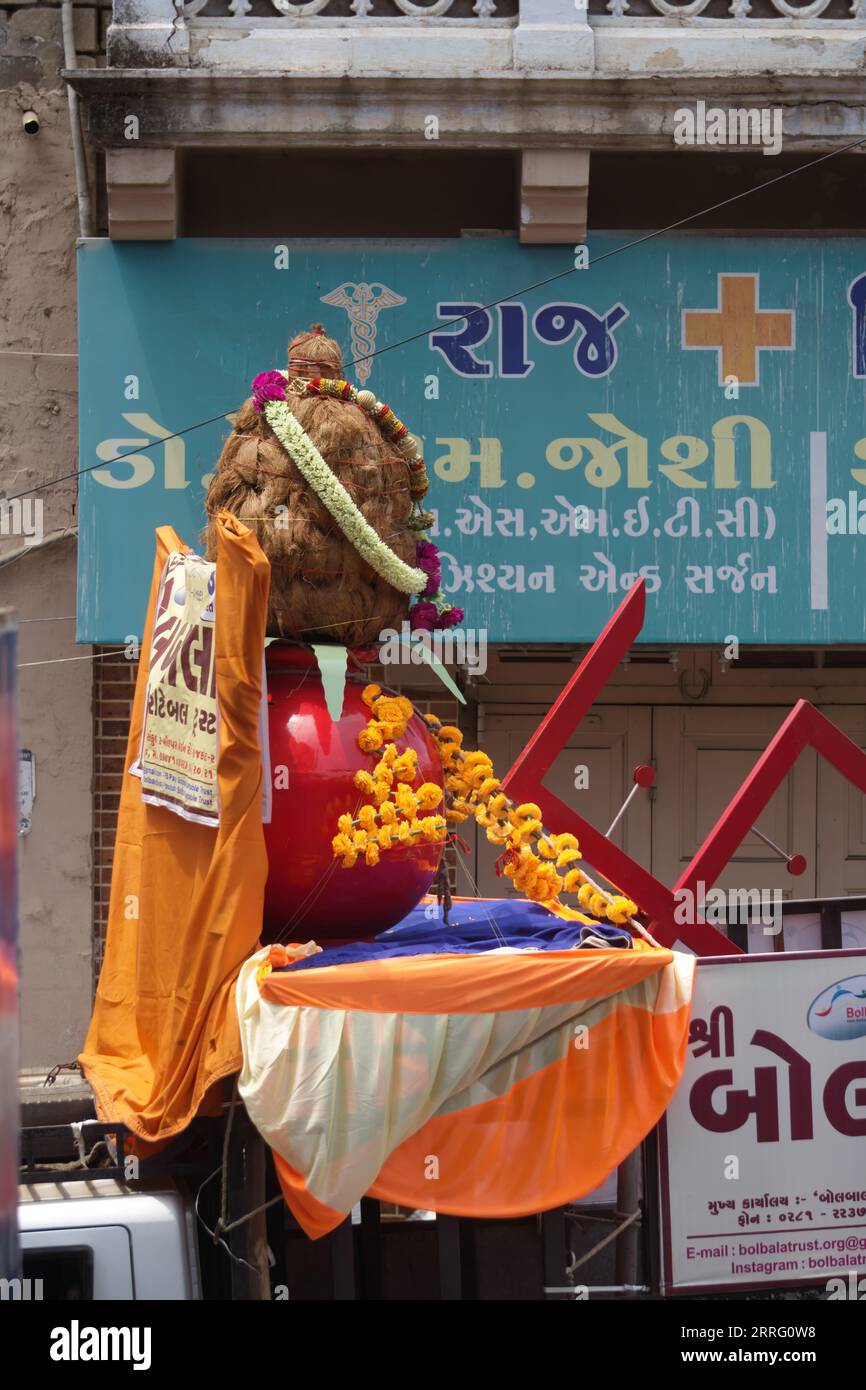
(37, 22)
(113, 688)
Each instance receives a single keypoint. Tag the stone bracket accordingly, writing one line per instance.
(554, 188)
(142, 194)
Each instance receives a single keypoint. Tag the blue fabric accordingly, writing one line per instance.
(473, 926)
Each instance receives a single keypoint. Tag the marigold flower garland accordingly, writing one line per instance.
(269, 395)
(471, 788)
(398, 812)
(475, 791)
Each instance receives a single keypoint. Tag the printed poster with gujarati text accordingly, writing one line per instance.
(763, 1181)
(177, 761)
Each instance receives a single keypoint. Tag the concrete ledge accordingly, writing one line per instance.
(605, 48)
(718, 48)
(443, 51)
(190, 106)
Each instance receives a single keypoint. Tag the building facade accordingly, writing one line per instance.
(522, 128)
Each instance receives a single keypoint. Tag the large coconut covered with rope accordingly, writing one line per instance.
(322, 586)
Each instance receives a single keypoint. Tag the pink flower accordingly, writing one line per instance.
(268, 386)
(427, 559)
(451, 617)
(423, 617)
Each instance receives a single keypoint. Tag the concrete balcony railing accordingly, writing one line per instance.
(454, 39)
(549, 79)
(479, 11)
(359, 10)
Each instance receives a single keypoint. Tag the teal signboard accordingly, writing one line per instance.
(690, 411)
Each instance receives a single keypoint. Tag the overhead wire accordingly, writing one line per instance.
(476, 309)
(415, 337)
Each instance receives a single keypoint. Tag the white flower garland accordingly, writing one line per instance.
(334, 497)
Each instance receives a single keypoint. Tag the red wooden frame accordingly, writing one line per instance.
(804, 727)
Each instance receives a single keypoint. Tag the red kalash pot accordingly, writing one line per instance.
(309, 895)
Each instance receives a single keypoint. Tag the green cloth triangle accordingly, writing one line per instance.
(332, 668)
(436, 665)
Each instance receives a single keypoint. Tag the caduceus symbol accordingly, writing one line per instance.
(363, 303)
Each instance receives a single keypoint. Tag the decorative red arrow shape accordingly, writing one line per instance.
(804, 726)
(524, 781)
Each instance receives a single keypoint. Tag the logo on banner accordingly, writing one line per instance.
(363, 303)
(857, 300)
(839, 1012)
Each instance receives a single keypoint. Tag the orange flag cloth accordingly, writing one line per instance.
(186, 899)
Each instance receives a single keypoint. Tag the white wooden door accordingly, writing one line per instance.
(702, 757)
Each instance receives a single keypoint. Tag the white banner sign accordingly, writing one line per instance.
(763, 1149)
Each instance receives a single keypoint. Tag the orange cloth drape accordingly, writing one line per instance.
(186, 899)
(479, 1085)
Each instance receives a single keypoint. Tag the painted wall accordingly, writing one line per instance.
(38, 425)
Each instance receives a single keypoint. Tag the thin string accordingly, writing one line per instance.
(59, 660)
(284, 476)
(608, 897)
(309, 900)
(28, 352)
(117, 649)
(302, 573)
(316, 889)
(634, 1216)
(323, 366)
(215, 1237)
(481, 308)
(281, 522)
(477, 892)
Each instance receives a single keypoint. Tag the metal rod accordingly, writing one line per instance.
(599, 1288)
(79, 160)
(627, 1201)
(248, 1240)
(632, 921)
(783, 853)
(621, 812)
